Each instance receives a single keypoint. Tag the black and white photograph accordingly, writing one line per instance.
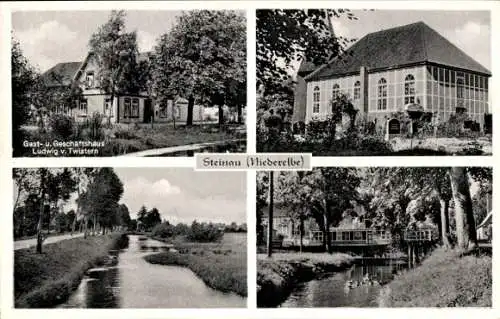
(129, 238)
(375, 237)
(134, 83)
(374, 82)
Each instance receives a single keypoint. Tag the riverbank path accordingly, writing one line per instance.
(27, 243)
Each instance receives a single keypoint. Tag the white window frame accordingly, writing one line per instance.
(382, 95)
(409, 89)
(316, 100)
(134, 108)
(357, 91)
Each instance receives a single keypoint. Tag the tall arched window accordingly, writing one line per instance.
(316, 99)
(357, 90)
(382, 95)
(335, 90)
(409, 89)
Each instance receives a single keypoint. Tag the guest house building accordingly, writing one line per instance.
(128, 107)
(391, 70)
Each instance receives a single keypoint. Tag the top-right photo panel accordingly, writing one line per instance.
(339, 82)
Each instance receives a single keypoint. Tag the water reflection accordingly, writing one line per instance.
(128, 281)
(334, 290)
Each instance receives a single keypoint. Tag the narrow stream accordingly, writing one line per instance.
(135, 283)
(347, 288)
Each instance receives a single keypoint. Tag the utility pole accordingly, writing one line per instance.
(270, 216)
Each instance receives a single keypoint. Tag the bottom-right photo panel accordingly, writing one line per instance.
(375, 237)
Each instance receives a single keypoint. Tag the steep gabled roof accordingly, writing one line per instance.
(405, 45)
(61, 74)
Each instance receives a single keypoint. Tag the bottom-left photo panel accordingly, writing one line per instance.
(129, 238)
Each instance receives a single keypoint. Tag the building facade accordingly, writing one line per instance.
(386, 71)
(136, 107)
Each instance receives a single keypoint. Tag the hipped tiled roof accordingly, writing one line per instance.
(405, 45)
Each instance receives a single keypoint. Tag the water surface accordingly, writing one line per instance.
(135, 283)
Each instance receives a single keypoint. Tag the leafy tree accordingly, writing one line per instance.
(23, 80)
(294, 191)
(262, 196)
(123, 216)
(152, 218)
(286, 36)
(203, 57)
(142, 215)
(333, 190)
(116, 54)
(102, 197)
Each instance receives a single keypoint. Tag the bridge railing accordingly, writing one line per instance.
(418, 235)
(353, 236)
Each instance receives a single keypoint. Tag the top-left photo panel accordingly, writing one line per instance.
(128, 83)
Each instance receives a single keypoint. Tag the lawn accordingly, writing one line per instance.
(128, 138)
(47, 279)
(444, 279)
(222, 265)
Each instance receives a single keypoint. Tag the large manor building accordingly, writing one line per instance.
(387, 71)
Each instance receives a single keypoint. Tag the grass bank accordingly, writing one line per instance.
(46, 280)
(278, 275)
(444, 279)
(221, 266)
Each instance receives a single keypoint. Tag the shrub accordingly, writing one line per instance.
(205, 232)
(61, 125)
(163, 230)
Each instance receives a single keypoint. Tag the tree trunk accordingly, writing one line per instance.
(326, 234)
(301, 232)
(221, 116)
(189, 120)
(464, 217)
(39, 239)
(445, 226)
(85, 226)
(270, 216)
(240, 114)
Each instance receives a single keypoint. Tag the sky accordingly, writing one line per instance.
(468, 30)
(181, 194)
(51, 37)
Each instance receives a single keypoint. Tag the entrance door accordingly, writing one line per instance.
(148, 111)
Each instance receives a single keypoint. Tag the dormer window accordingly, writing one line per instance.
(89, 79)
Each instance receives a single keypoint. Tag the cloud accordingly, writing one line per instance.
(142, 187)
(177, 205)
(48, 44)
(474, 39)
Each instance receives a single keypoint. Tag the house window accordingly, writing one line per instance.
(317, 236)
(382, 95)
(82, 107)
(316, 99)
(357, 90)
(89, 79)
(335, 91)
(108, 107)
(126, 107)
(409, 89)
(460, 89)
(135, 108)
